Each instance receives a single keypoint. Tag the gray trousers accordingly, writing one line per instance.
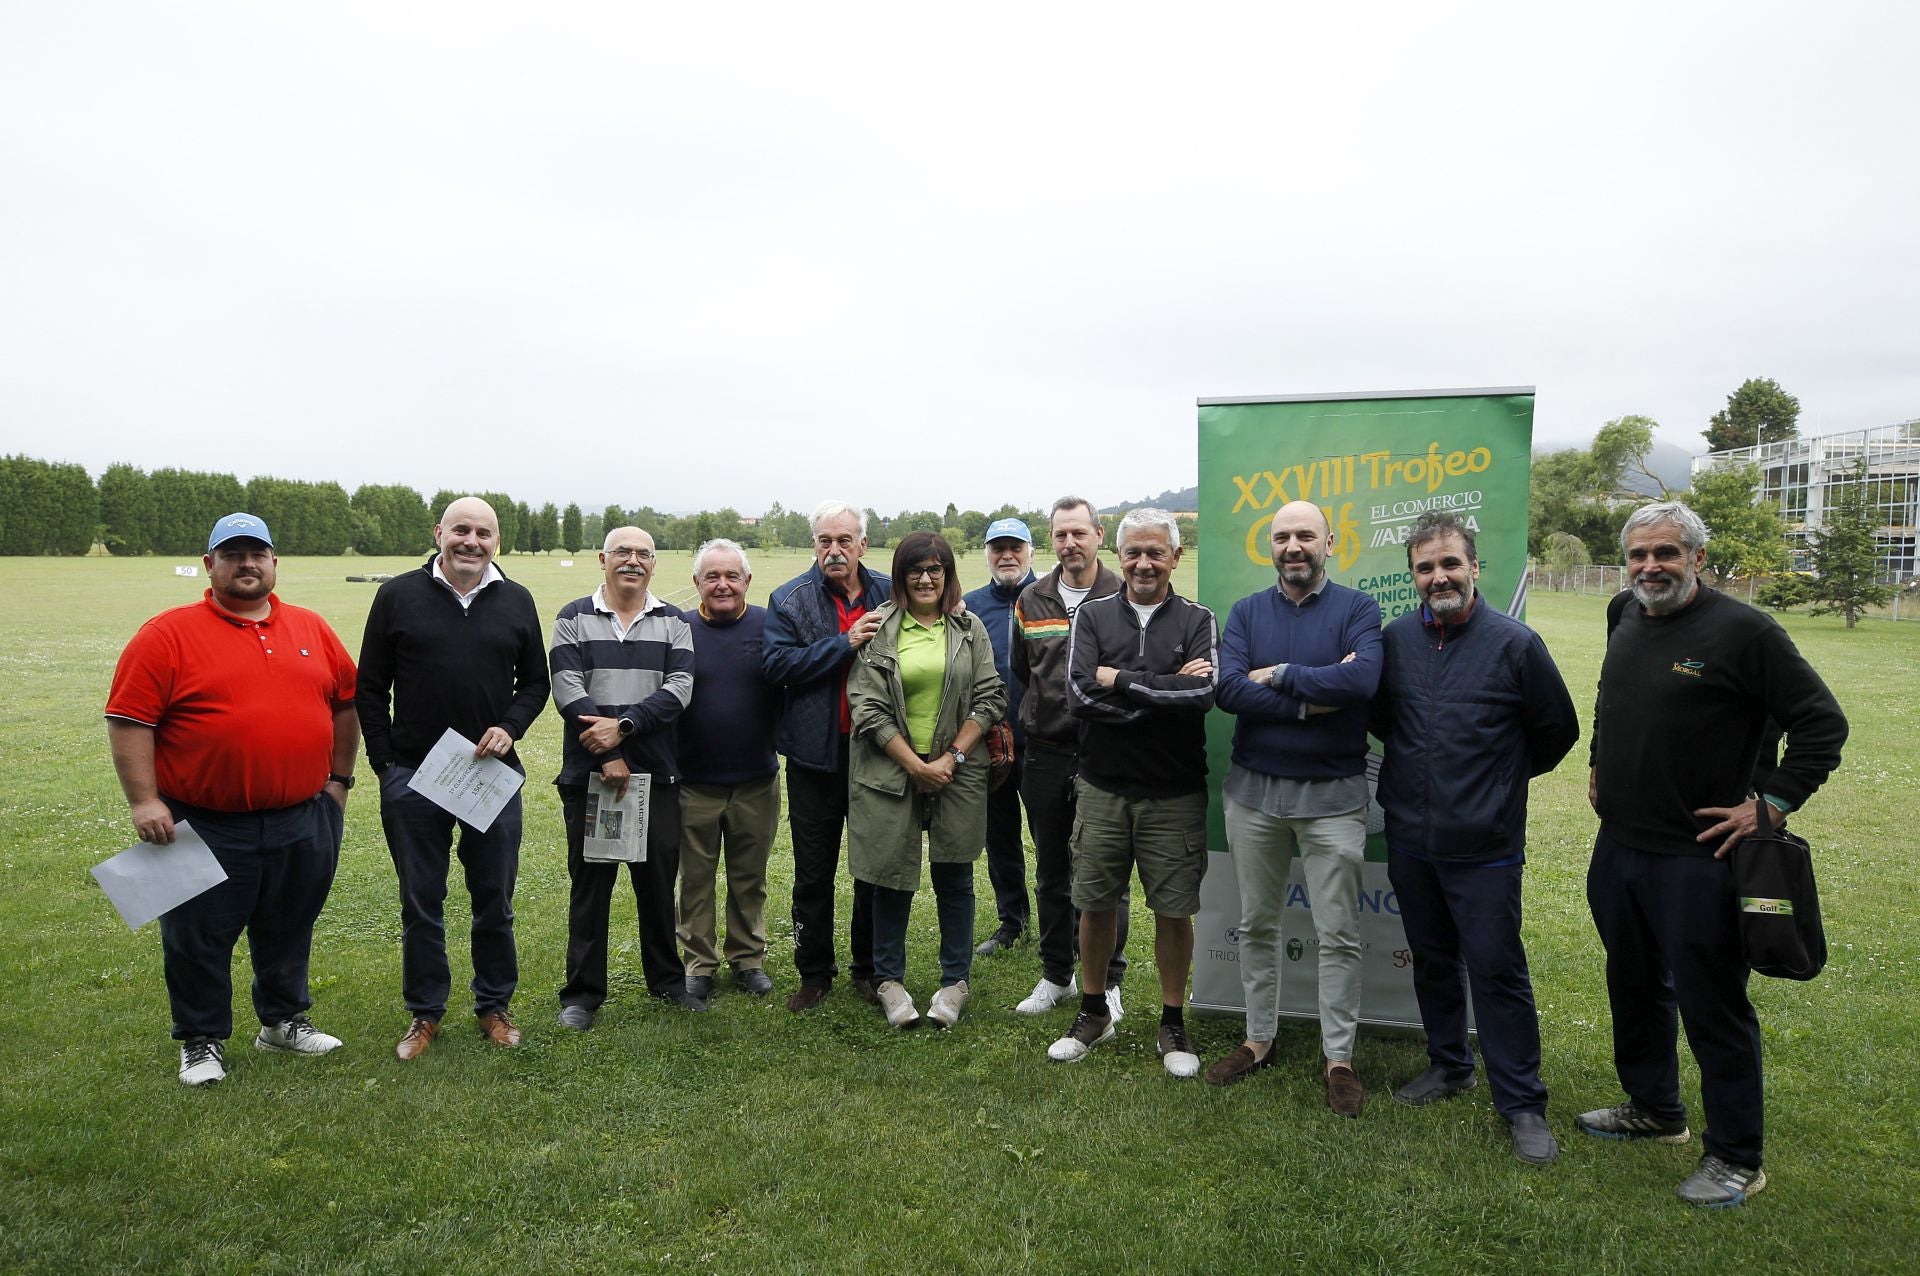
(1331, 850)
(740, 820)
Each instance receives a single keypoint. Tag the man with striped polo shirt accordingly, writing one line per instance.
(235, 714)
(622, 664)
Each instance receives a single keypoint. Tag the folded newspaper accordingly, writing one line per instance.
(616, 826)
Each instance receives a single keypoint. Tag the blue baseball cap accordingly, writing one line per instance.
(238, 525)
(1002, 528)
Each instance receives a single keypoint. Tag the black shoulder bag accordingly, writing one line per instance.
(1779, 906)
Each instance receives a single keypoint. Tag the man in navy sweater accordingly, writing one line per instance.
(730, 798)
(1470, 708)
(1010, 568)
(1298, 664)
(456, 645)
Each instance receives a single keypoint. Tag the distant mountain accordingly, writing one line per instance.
(1175, 499)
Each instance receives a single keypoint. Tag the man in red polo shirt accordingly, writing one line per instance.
(235, 714)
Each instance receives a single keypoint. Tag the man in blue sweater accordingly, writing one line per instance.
(1470, 708)
(1298, 664)
(730, 790)
(1010, 570)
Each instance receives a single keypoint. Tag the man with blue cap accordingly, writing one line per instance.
(235, 714)
(1010, 569)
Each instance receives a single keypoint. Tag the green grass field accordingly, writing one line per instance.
(750, 1139)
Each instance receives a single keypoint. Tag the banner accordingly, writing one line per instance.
(1374, 463)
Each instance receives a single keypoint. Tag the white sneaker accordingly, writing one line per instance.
(947, 1004)
(202, 1061)
(897, 1003)
(298, 1036)
(1046, 995)
(1113, 1004)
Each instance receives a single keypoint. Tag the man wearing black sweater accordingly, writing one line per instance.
(452, 644)
(1694, 690)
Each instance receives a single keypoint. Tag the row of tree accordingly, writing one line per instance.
(56, 508)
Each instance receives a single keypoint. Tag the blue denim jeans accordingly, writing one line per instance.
(953, 903)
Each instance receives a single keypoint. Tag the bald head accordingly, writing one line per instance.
(468, 535)
(1300, 535)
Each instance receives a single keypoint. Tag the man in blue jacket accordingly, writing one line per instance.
(815, 622)
(1010, 570)
(1470, 708)
(1298, 664)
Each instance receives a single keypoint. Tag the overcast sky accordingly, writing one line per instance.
(705, 255)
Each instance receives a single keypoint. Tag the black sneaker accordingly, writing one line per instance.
(1631, 1121)
(1718, 1184)
(1004, 938)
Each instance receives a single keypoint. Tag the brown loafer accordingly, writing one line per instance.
(1345, 1095)
(418, 1038)
(498, 1029)
(806, 997)
(1238, 1066)
(867, 990)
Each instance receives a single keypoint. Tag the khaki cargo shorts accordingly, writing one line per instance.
(1165, 837)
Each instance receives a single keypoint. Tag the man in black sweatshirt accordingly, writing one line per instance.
(452, 644)
(1694, 690)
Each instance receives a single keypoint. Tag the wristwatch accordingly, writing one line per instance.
(959, 758)
(344, 781)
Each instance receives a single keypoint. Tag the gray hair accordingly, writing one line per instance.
(1693, 532)
(721, 543)
(1075, 502)
(1434, 524)
(834, 509)
(1147, 516)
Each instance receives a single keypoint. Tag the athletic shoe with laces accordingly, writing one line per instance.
(1176, 1053)
(1631, 1121)
(947, 1004)
(1046, 995)
(296, 1036)
(1087, 1032)
(897, 1002)
(202, 1061)
(1718, 1184)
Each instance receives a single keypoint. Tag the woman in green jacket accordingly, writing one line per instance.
(923, 692)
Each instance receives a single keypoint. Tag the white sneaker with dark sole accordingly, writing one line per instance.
(202, 1061)
(296, 1036)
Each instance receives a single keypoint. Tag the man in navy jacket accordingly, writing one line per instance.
(1298, 664)
(1470, 708)
(1009, 565)
(815, 622)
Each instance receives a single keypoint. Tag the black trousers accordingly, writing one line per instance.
(279, 866)
(1007, 854)
(1046, 786)
(420, 839)
(590, 901)
(1671, 927)
(817, 816)
(1463, 925)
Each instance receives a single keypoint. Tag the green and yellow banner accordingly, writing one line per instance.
(1374, 462)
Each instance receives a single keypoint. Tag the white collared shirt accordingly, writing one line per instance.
(466, 600)
(620, 631)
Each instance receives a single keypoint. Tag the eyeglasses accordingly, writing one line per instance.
(932, 571)
(635, 555)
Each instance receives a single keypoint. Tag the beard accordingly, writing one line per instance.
(1668, 595)
(1448, 605)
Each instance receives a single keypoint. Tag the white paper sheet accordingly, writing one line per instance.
(146, 880)
(471, 789)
